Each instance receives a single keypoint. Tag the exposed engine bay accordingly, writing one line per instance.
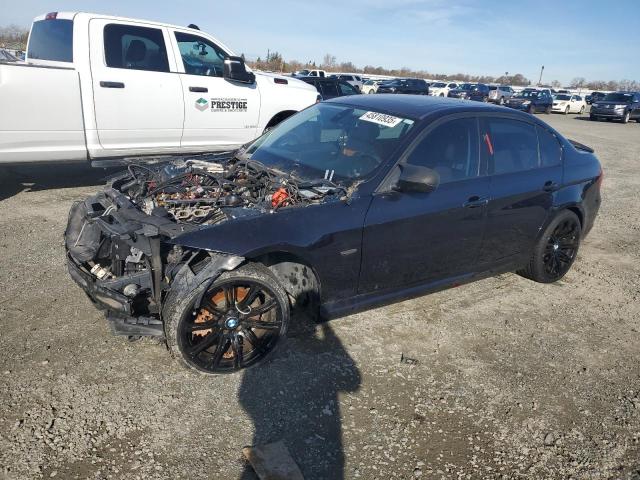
(202, 192)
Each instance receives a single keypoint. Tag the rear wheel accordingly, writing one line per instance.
(234, 323)
(556, 250)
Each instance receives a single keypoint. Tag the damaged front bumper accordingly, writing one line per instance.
(127, 262)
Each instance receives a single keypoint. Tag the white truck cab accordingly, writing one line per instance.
(95, 87)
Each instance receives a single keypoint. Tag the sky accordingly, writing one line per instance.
(571, 38)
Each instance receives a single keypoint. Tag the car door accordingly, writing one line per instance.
(416, 238)
(137, 99)
(524, 163)
(217, 112)
(635, 112)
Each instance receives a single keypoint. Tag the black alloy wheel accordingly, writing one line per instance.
(561, 248)
(236, 323)
(556, 250)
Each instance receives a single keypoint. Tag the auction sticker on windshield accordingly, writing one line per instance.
(381, 119)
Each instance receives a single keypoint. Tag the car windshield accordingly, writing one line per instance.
(563, 97)
(469, 86)
(438, 84)
(527, 94)
(303, 72)
(330, 141)
(618, 97)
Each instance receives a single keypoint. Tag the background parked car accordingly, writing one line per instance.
(623, 106)
(567, 103)
(500, 93)
(594, 97)
(354, 80)
(310, 73)
(415, 86)
(6, 56)
(331, 87)
(441, 89)
(471, 91)
(532, 101)
(370, 86)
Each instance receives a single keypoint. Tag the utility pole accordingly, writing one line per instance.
(540, 79)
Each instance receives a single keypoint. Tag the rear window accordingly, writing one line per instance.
(51, 40)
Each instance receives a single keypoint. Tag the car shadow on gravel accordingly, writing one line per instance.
(294, 398)
(19, 178)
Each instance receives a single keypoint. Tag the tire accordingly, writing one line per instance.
(556, 250)
(442, 94)
(547, 110)
(501, 101)
(222, 348)
(582, 110)
(626, 116)
(566, 111)
(531, 109)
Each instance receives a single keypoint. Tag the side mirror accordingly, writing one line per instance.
(236, 71)
(414, 178)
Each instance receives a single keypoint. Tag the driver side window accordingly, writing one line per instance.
(200, 56)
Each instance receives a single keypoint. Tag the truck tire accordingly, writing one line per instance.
(224, 333)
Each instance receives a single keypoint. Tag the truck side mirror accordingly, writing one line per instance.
(236, 71)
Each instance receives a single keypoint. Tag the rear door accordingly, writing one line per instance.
(217, 112)
(414, 238)
(138, 101)
(524, 162)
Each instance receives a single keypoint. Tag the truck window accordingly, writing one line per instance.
(136, 48)
(51, 40)
(200, 56)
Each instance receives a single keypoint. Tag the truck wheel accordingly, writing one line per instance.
(625, 117)
(556, 250)
(234, 323)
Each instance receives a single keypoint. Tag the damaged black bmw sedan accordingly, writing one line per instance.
(352, 203)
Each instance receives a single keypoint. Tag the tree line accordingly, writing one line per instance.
(14, 36)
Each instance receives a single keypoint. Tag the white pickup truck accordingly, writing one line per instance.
(95, 87)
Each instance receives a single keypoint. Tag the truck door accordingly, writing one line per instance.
(138, 101)
(217, 112)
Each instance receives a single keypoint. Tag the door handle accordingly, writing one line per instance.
(550, 186)
(475, 202)
(112, 84)
(199, 89)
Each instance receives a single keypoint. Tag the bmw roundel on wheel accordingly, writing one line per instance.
(349, 204)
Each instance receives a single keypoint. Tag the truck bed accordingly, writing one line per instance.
(41, 114)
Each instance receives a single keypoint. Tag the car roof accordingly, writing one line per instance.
(417, 106)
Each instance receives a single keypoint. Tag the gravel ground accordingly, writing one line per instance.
(505, 378)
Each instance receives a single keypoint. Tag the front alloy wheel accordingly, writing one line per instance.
(236, 323)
